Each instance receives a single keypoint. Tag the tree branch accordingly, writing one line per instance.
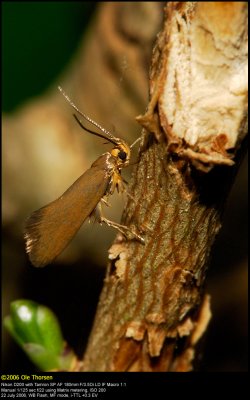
(153, 310)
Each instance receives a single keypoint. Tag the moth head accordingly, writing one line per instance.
(121, 153)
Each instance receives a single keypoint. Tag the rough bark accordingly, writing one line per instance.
(43, 153)
(153, 308)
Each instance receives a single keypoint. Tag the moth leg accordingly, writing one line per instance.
(121, 228)
(129, 195)
(121, 186)
(105, 202)
(96, 214)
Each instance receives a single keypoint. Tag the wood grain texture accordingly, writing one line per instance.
(152, 293)
(153, 308)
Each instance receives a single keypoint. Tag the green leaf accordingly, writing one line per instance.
(36, 329)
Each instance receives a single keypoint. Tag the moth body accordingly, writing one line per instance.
(50, 229)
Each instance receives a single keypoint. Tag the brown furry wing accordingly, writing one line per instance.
(49, 229)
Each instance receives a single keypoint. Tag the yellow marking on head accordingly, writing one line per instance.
(122, 154)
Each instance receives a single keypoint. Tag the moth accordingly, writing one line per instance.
(50, 229)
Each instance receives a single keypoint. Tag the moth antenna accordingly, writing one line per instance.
(115, 140)
(92, 132)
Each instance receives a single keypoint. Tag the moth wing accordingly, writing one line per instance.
(49, 229)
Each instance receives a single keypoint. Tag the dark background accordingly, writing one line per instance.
(38, 40)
